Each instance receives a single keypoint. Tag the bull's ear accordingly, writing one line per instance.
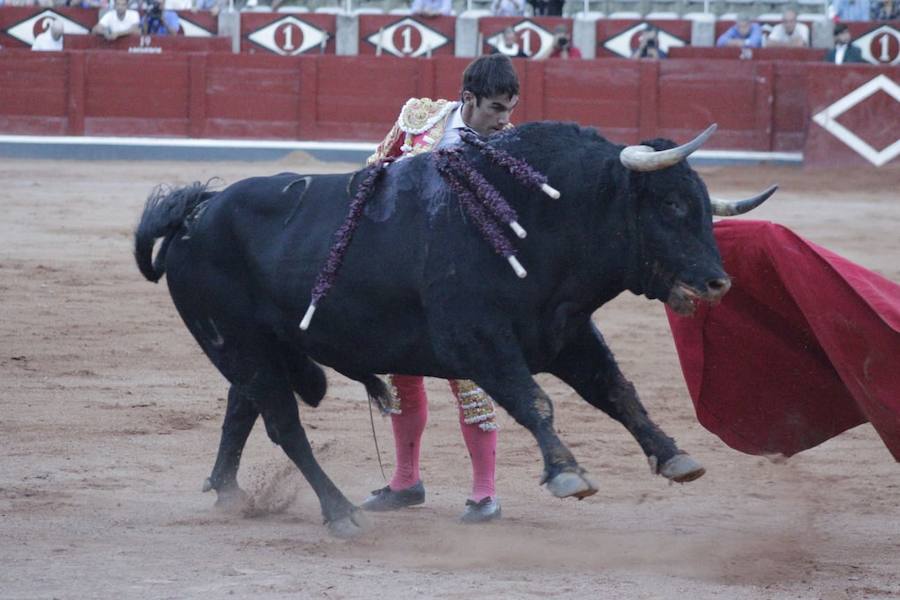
(729, 208)
(645, 158)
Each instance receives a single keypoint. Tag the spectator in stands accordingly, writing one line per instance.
(561, 47)
(547, 8)
(885, 10)
(213, 6)
(432, 8)
(51, 38)
(508, 8)
(843, 51)
(648, 44)
(119, 22)
(789, 33)
(509, 45)
(159, 20)
(743, 34)
(851, 10)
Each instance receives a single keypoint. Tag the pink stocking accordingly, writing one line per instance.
(482, 446)
(408, 427)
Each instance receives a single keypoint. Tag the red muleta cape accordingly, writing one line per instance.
(805, 345)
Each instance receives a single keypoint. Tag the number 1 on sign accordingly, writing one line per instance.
(526, 42)
(288, 38)
(406, 34)
(885, 57)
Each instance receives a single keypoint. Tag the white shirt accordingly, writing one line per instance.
(839, 51)
(451, 131)
(45, 42)
(111, 21)
(508, 8)
(801, 32)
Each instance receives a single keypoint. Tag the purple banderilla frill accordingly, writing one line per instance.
(342, 238)
(518, 168)
(481, 201)
(454, 169)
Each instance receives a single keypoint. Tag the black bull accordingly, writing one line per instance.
(421, 292)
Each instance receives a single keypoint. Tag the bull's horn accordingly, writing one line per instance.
(729, 208)
(645, 158)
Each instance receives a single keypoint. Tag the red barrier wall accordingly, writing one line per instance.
(759, 105)
(157, 44)
(779, 54)
(855, 118)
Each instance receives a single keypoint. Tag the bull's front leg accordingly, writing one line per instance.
(511, 385)
(589, 367)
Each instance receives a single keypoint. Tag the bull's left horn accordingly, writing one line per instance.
(645, 158)
(729, 208)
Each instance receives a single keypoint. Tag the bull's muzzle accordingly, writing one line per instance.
(683, 298)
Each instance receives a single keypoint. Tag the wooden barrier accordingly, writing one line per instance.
(759, 105)
(779, 54)
(855, 118)
(155, 45)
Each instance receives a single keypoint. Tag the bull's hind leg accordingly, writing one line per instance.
(590, 368)
(271, 392)
(240, 415)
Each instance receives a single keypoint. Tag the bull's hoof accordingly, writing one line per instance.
(349, 527)
(681, 468)
(568, 484)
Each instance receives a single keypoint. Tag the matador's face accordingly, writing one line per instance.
(487, 115)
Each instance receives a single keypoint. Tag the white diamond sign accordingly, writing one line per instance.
(191, 29)
(621, 43)
(532, 38)
(828, 120)
(407, 37)
(289, 36)
(880, 46)
(27, 30)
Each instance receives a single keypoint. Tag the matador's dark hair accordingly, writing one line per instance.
(491, 75)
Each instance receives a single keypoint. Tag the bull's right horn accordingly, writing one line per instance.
(645, 158)
(729, 208)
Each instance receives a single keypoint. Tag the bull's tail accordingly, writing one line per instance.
(164, 213)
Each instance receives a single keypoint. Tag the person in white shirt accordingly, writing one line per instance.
(508, 8)
(116, 23)
(432, 8)
(51, 39)
(789, 33)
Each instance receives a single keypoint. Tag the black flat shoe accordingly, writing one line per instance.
(387, 499)
(482, 511)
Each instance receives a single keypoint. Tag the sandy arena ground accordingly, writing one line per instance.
(110, 420)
